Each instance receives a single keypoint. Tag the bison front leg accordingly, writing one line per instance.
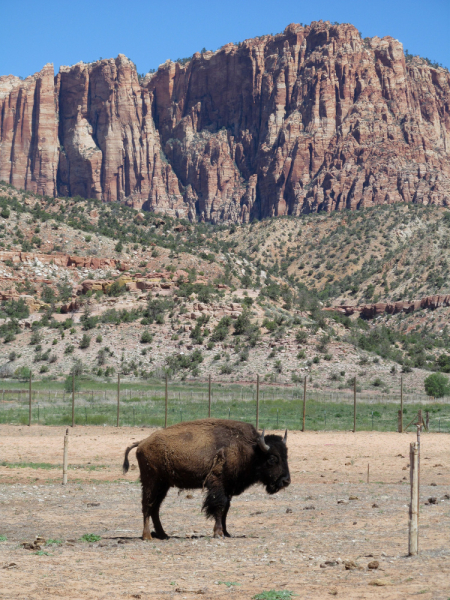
(216, 505)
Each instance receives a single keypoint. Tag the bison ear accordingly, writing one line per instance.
(262, 443)
(285, 438)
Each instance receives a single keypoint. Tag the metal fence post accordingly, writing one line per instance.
(118, 399)
(73, 399)
(401, 405)
(257, 401)
(304, 404)
(29, 402)
(209, 397)
(354, 405)
(166, 403)
(66, 447)
(413, 546)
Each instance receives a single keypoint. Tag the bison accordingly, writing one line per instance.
(220, 456)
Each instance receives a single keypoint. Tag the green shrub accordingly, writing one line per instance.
(196, 334)
(301, 336)
(269, 325)
(221, 330)
(88, 321)
(77, 368)
(443, 362)
(116, 289)
(9, 337)
(437, 385)
(242, 323)
(22, 373)
(48, 295)
(244, 355)
(15, 309)
(85, 341)
(146, 337)
(176, 362)
(36, 338)
(156, 309)
(90, 537)
(274, 595)
(64, 291)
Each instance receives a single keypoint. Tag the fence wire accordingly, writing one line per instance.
(143, 404)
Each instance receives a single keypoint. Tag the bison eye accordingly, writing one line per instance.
(273, 460)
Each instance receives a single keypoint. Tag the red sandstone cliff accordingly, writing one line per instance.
(29, 132)
(311, 119)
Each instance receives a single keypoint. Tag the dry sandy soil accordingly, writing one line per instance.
(280, 542)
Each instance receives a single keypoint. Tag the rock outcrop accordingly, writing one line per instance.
(369, 311)
(60, 259)
(314, 118)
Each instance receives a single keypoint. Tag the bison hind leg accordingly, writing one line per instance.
(215, 506)
(152, 498)
(224, 518)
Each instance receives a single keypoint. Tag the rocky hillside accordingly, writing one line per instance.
(99, 288)
(312, 119)
(386, 254)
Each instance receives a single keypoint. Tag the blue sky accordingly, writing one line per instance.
(148, 32)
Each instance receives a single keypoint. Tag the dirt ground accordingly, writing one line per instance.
(281, 542)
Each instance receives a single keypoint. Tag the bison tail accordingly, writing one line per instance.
(126, 464)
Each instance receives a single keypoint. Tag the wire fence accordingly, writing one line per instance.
(147, 403)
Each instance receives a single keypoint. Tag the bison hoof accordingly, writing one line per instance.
(226, 534)
(160, 536)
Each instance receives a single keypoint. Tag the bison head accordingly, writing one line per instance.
(274, 469)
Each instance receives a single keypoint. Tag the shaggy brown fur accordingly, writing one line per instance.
(223, 457)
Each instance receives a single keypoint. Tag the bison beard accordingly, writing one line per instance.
(223, 457)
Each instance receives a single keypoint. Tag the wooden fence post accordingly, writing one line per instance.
(354, 405)
(73, 400)
(209, 396)
(118, 399)
(400, 423)
(166, 403)
(257, 401)
(29, 403)
(413, 545)
(66, 447)
(304, 404)
(419, 417)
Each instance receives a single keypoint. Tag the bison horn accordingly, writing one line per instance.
(262, 443)
(285, 438)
